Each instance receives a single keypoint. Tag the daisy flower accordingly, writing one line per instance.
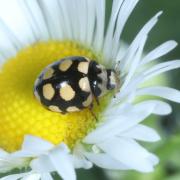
(34, 34)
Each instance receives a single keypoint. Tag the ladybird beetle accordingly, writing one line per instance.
(71, 84)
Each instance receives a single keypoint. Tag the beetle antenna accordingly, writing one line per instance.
(93, 114)
(117, 67)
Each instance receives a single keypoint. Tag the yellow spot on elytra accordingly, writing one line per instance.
(72, 109)
(54, 108)
(22, 114)
(84, 84)
(83, 67)
(88, 101)
(65, 65)
(48, 91)
(66, 92)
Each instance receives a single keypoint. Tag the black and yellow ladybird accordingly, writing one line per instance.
(71, 84)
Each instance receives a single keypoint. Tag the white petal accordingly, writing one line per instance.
(114, 111)
(2, 58)
(78, 159)
(16, 23)
(91, 15)
(53, 17)
(33, 147)
(164, 92)
(3, 153)
(105, 161)
(135, 63)
(62, 163)
(160, 107)
(81, 162)
(34, 176)
(8, 43)
(120, 123)
(67, 19)
(128, 57)
(46, 176)
(36, 144)
(82, 25)
(42, 164)
(129, 153)
(141, 132)
(100, 23)
(153, 158)
(14, 176)
(110, 30)
(124, 13)
(35, 16)
(72, 22)
(159, 51)
(128, 90)
(161, 68)
(8, 162)
(30, 19)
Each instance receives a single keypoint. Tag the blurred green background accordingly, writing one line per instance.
(168, 149)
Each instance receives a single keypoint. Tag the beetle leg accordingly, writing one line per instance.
(93, 114)
(97, 100)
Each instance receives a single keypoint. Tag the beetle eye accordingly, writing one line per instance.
(98, 71)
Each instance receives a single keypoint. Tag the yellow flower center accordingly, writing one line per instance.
(22, 114)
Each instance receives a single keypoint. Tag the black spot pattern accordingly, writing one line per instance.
(71, 76)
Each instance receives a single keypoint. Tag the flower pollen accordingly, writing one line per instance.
(22, 114)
